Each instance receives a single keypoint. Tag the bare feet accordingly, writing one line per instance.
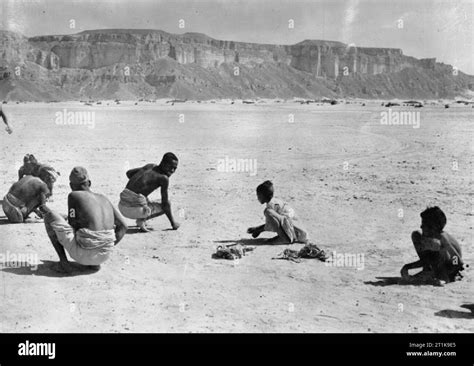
(63, 267)
(141, 223)
(254, 231)
(301, 235)
(438, 282)
(422, 278)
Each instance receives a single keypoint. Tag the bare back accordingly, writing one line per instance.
(28, 189)
(145, 181)
(90, 210)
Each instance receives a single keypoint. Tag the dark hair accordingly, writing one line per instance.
(29, 158)
(169, 156)
(435, 217)
(266, 190)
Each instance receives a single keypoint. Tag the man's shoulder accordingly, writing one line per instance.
(160, 176)
(100, 196)
(87, 195)
(27, 178)
(448, 237)
(30, 179)
(79, 195)
(149, 170)
(275, 202)
(74, 195)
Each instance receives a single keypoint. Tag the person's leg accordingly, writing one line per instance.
(49, 218)
(447, 267)
(423, 255)
(29, 208)
(416, 240)
(13, 214)
(273, 223)
(453, 272)
(301, 235)
(155, 210)
(139, 214)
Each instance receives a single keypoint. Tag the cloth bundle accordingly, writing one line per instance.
(308, 251)
(231, 252)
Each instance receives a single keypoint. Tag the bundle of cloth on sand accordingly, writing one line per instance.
(310, 251)
(231, 252)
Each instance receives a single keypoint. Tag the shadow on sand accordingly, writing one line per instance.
(47, 269)
(456, 314)
(136, 230)
(391, 281)
(256, 242)
(4, 221)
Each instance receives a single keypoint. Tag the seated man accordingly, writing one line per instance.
(26, 195)
(440, 254)
(279, 218)
(134, 203)
(94, 227)
(5, 120)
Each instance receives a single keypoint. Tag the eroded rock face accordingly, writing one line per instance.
(48, 60)
(95, 50)
(121, 63)
(15, 48)
(332, 59)
(92, 50)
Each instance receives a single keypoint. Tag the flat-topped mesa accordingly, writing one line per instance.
(92, 64)
(100, 48)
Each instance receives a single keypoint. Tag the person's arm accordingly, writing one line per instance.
(447, 241)
(406, 267)
(166, 204)
(43, 194)
(5, 120)
(120, 226)
(130, 173)
(21, 172)
(72, 210)
(38, 212)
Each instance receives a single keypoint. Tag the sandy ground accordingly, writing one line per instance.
(346, 175)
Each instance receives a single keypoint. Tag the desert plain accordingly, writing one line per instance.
(357, 186)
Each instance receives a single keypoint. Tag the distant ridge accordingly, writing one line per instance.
(148, 63)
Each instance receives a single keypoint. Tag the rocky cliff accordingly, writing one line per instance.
(130, 64)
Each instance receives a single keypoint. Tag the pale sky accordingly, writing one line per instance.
(441, 29)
